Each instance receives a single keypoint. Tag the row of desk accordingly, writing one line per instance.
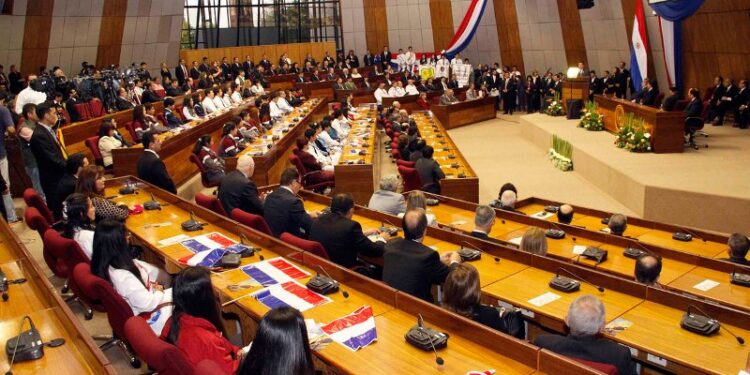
(471, 346)
(655, 336)
(38, 299)
(359, 163)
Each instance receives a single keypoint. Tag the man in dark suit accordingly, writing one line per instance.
(429, 171)
(172, 120)
(150, 167)
(195, 71)
(565, 214)
(412, 267)
(741, 102)
(385, 57)
(671, 101)
(695, 106)
(715, 100)
(624, 80)
(226, 70)
(283, 209)
(49, 153)
(68, 183)
(726, 101)
(738, 245)
(586, 320)
(484, 219)
(647, 95)
(248, 66)
(70, 105)
(237, 190)
(343, 237)
(181, 72)
(596, 87)
(150, 95)
(122, 102)
(509, 92)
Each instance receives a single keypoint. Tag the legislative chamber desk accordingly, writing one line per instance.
(461, 182)
(359, 96)
(271, 155)
(176, 148)
(667, 128)
(465, 113)
(511, 277)
(471, 345)
(409, 102)
(38, 299)
(359, 162)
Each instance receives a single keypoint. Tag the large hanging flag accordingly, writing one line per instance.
(671, 14)
(466, 30)
(639, 48)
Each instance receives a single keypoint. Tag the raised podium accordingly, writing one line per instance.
(574, 89)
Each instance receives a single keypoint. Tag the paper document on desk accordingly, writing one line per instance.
(292, 294)
(579, 249)
(355, 330)
(274, 271)
(516, 241)
(618, 325)
(544, 299)
(706, 285)
(544, 215)
(173, 240)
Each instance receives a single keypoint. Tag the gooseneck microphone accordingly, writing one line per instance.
(739, 339)
(438, 359)
(579, 278)
(690, 232)
(466, 243)
(343, 292)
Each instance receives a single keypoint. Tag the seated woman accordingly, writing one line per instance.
(188, 109)
(196, 327)
(230, 144)
(143, 286)
(109, 139)
(150, 120)
(423, 102)
(91, 184)
(248, 128)
(311, 162)
(416, 199)
(281, 345)
(534, 241)
(79, 214)
(257, 88)
(197, 106)
(213, 165)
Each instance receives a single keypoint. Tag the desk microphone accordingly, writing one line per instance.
(555, 233)
(343, 292)
(250, 249)
(497, 259)
(693, 234)
(737, 278)
(568, 285)
(631, 252)
(438, 359)
(707, 320)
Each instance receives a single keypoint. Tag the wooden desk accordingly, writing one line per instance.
(356, 174)
(435, 135)
(667, 128)
(317, 89)
(271, 156)
(465, 113)
(576, 89)
(359, 96)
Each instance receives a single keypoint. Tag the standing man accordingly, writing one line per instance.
(181, 72)
(150, 167)
(48, 151)
(6, 125)
(24, 140)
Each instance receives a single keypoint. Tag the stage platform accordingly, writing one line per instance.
(708, 188)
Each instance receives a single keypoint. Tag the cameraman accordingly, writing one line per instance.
(29, 95)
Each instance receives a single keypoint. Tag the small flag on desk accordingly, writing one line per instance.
(355, 330)
(274, 271)
(290, 293)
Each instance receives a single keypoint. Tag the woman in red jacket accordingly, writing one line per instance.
(195, 327)
(422, 102)
(311, 163)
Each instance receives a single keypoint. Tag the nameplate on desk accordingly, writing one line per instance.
(544, 299)
(173, 240)
(706, 285)
(656, 359)
(579, 249)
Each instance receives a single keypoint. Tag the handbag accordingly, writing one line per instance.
(512, 323)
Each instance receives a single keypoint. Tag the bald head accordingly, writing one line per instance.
(414, 224)
(246, 165)
(565, 214)
(647, 269)
(508, 199)
(618, 223)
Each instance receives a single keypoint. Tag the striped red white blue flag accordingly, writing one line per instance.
(639, 48)
(467, 28)
(355, 330)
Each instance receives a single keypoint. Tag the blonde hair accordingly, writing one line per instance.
(534, 241)
(416, 199)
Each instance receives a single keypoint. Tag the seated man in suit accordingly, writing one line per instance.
(694, 108)
(123, 102)
(565, 214)
(484, 219)
(387, 199)
(448, 98)
(647, 270)
(237, 190)
(671, 101)
(617, 224)
(172, 120)
(68, 183)
(429, 171)
(741, 102)
(284, 210)
(343, 237)
(738, 246)
(412, 267)
(586, 320)
(647, 95)
(507, 201)
(150, 167)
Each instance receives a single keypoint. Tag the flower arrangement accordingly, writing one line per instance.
(633, 135)
(555, 108)
(561, 154)
(592, 120)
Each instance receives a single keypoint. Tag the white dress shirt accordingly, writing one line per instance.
(379, 94)
(396, 92)
(284, 106)
(218, 102)
(237, 97)
(411, 90)
(274, 109)
(208, 105)
(29, 95)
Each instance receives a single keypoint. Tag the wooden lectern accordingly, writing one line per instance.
(575, 88)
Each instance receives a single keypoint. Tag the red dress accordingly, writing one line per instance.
(200, 340)
(311, 164)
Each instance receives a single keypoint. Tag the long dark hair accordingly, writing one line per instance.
(139, 113)
(204, 140)
(105, 128)
(280, 346)
(87, 180)
(111, 250)
(192, 294)
(76, 212)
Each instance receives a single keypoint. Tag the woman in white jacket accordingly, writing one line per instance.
(109, 139)
(143, 286)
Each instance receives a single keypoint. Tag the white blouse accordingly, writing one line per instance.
(144, 299)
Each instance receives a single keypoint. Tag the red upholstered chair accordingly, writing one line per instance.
(210, 202)
(306, 176)
(83, 111)
(161, 118)
(208, 367)
(93, 144)
(405, 163)
(256, 222)
(204, 181)
(65, 115)
(33, 199)
(130, 126)
(118, 311)
(395, 154)
(68, 253)
(310, 246)
(35, 221)
(602, 367)
(158, 354)
(410, 177)
(96, 108)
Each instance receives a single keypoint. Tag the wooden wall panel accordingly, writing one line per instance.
(441, 16)
(296, 51)
(572, 32)
(376, 25)
(715, 43)
(36, 35)
(111, 32)
(508, 34)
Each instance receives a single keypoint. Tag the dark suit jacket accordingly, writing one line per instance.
(172, 120)
(237, 191)
(284, 212)
(195, 73)
(590, 349)
(694, 108)
(66, 187)
(49, 159)
(180, 75)
(149, 97)
(481, 235)
(412, 268)
(343, 239)
(152, 169)
(123, 104)
(429, 171)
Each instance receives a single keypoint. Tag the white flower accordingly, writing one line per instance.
(647, 135)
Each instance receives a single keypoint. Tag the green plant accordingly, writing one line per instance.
(555, 107)
(561, 154)
(592, 119)
(633, 135)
